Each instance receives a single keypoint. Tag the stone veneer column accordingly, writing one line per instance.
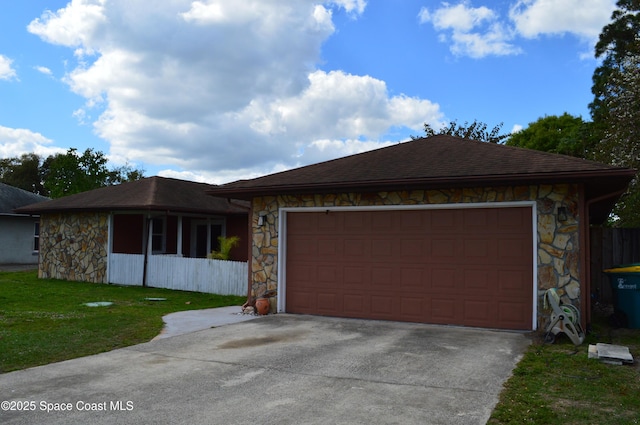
(74, 246)
(557, 243)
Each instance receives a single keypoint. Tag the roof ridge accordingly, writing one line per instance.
(153, 192)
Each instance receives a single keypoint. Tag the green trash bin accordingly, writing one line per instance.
(625, 284)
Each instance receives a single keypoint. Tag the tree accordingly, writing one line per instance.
(23, 172)
(564, 134)
(125, 173)
(66, 174)
(620, 144)
(615, 109)
(477, 130)
(618, 41)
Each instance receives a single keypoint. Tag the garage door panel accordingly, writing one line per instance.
(328, 275)
(354, 304)
(382, 248)
(459, 267)
(356, 247)
(509, 248)
(511, 314)
(478, 249)
(477, 280)
(443, 279)
(476, 311)
(412, 248)
(511, 222)
(442, 221)
(304, 246)
(412, 279)
(382, 278)
(301, 300)
(477, 220)
(412, 308)
(303, 275)
(442, 249)
(382, 307)
(412, 222)
(442, 310)
(382, 223)
(356, 276)
(328, 303)
(330, 222)
(304, 223)
(512, 281)
(355, 224)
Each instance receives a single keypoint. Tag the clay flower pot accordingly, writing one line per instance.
(262, 306)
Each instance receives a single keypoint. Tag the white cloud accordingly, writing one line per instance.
(354, 105)
(222, 89)
(475, 32)
(76, 25)
(460, 17)
(43, 69)
(480, 31)
(6, 70)
(583, 18)
(495, 40)
(17, 141)
(351, 6)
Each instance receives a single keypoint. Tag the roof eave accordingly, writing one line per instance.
(247, 193)
(157, 208)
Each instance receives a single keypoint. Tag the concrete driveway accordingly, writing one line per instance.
(280, 369)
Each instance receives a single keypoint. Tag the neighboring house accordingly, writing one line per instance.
(18, 232)
(440, 230)
(93, 236)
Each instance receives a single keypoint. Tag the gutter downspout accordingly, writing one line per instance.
(587, 233)
(249, 256)
(109, 245)
(146, 251)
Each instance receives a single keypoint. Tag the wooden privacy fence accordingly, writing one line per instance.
(611, 247)
(185, 274)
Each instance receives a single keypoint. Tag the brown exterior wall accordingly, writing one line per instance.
(558, 255)
(127, 233)
(237, 226)
(74, 246)
(172, 235)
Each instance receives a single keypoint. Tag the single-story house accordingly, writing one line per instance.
(437, 230)
(18, 232)
(81, 234)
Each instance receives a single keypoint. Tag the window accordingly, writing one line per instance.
(36, 236)
(204, 237)
(158, 235)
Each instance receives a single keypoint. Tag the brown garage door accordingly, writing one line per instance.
(469, 267)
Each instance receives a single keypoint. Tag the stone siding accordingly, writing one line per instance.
(558, 244)
(74, 246)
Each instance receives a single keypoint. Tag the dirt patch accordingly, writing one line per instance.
(265, 340)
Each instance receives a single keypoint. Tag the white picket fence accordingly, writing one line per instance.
(185, 274)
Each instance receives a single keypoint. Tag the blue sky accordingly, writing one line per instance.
(215, 91)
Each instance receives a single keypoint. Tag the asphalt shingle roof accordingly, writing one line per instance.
(150, 194)
(13, 197)
(435, 162)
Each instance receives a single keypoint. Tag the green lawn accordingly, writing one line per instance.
(45, 320)
(558, 384)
